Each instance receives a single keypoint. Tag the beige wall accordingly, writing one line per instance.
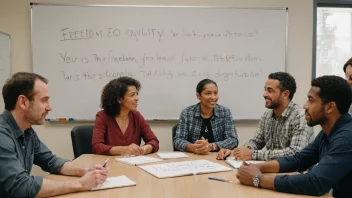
(15, 20)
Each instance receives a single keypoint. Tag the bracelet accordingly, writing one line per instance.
(144, 149)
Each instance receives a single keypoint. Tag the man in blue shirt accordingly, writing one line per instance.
(329, 99)
(26, 98)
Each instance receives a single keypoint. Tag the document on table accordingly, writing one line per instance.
(138, 160)
(176, 169)
(238, 163)
(171, 155)
(115, 182)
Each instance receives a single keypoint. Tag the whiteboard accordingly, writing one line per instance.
(4, 60)
(168, 49)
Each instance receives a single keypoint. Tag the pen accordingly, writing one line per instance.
(106, 162)
(246, 163)
(219, 179)
(225, 158)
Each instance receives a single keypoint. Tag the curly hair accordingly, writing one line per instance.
(334, 89)
(21, 83)
(349, 62)
(202, 83)
(287, 82)
(115, 90)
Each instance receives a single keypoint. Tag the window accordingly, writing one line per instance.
(333, 45)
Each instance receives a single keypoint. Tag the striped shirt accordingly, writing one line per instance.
(284, 136)
(190, 125)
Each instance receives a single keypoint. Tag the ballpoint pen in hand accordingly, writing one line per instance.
(106, 162)
(225, 157)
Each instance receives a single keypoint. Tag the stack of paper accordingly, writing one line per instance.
(138, 160)
(171, 155)
(176, 169)
(115, 182)
(238, 163)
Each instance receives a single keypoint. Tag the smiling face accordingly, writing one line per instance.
(36, 110)
(272, 94)
(208, 96)
(314, 108)
(130, 99)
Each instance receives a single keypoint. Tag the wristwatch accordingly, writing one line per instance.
(256, 180)
(214, 146)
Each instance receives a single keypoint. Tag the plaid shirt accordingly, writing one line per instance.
(282, 137)
(190, 124)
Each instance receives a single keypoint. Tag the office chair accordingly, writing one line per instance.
(81, 137)
(174, 128)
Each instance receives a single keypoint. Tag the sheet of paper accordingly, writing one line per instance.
(238, 163)
(138, 160)
(171, 155)
(175, 169)
(115, 182)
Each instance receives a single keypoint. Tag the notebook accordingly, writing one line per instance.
(176, 169)
(115, 182)
(171, 155)
(238, 163)
(138, 160)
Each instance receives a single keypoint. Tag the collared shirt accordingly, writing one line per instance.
(190, 125)
(107, 133)
(333, 153)
(284, 136)
(18, 152)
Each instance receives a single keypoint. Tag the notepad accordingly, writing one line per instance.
(138, 160)
(238, 163)
(171, 155)
(177, 169)
(115, 182)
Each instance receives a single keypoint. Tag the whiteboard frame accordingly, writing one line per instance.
(4, 33)
(10, 56)
(158, 6)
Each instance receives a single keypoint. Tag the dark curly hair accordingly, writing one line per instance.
(334, 89)
(349, 62)
(202, 83)
(287, 82)
(21, 83)
(115, 90)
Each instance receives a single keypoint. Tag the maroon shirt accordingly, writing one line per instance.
(107, 133)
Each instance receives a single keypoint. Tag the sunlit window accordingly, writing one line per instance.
(333, 40)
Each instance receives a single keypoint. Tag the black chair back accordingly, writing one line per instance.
(174, 128)
(81, 137)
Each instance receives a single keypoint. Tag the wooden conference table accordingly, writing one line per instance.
(149, 186)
